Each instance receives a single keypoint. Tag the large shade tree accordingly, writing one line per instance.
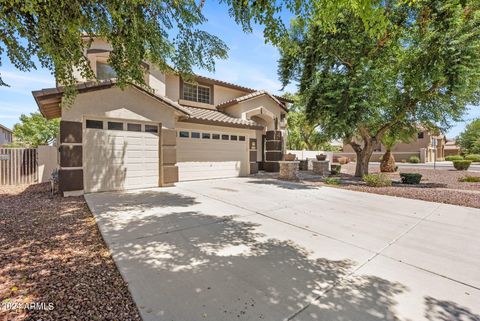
(423, 69)
(34, 130)
(469, 139)
(164, 32)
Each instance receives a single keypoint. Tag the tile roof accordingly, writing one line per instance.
(211, 116)
(52, 109)
(250, 96)
(234, 86)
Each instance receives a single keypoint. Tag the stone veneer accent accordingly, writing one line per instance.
(273, 150)
(321, 167)
(288, 170)
(168, 157)
(70, 175)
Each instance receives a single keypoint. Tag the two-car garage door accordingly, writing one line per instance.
(209, 154)
(120, 155)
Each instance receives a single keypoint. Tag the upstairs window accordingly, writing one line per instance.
(105, 71)
(198, 93)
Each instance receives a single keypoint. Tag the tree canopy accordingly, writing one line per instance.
(423, 69)
(469, 139)
(34, 130)
(163, 32)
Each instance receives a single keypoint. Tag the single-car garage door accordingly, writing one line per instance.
(120, 155)
(207, 155)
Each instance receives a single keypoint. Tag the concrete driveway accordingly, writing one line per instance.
(260, 249)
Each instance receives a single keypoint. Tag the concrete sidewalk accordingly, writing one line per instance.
(260, 249)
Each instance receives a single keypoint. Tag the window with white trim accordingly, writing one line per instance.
(198, 93)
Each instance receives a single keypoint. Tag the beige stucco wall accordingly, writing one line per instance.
(241, 109)
(121, 104)
(223, 94)
(157, 81)
(173, 87)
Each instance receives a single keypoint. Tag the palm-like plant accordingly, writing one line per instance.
(402, 133)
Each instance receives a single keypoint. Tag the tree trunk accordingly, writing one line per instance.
(387, 164)
(363, 159)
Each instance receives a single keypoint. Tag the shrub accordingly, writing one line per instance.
(335, 169)
(410, 178)
(377, 180)
(332, 181)
(462, 165)
(414, 159)
(470, 179)
(473, 157)
(453, 157)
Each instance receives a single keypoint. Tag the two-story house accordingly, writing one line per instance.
(6, 135)
(113, 139)
(427, 145)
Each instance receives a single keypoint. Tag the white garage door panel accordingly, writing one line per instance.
(116, 160)
(208, 158)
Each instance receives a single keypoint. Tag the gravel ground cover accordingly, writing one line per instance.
(52, 254)
(440, 185)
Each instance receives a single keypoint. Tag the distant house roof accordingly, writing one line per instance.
(49, 99)
(251, 96)
(215, 117)
(5, 128)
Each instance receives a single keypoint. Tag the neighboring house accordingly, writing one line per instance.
(113, 139)
(451, 148)
(424, 146)
(6, 135)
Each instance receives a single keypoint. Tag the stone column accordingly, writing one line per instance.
(321, 167)
(288, 170)
(273, 150)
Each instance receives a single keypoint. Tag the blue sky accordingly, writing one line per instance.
(251, 63)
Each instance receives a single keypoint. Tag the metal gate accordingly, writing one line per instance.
(18, 166)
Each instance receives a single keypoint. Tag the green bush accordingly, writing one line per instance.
(470, 179)
(410, 178)
(414, 159)
(462, 165)
(453, 157)
(377, 180)
(332, 181)
(335, 169)
(473, 157)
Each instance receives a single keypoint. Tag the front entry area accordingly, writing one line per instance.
(120, 155)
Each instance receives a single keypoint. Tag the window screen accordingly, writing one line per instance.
(195, 135)
(113, 125)
(215, 136)
(233, 137)
(97, 124)
(206, 135)
(224, 137)
(241, 138)
(134, 127)
(196, 93)
(184, 134)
